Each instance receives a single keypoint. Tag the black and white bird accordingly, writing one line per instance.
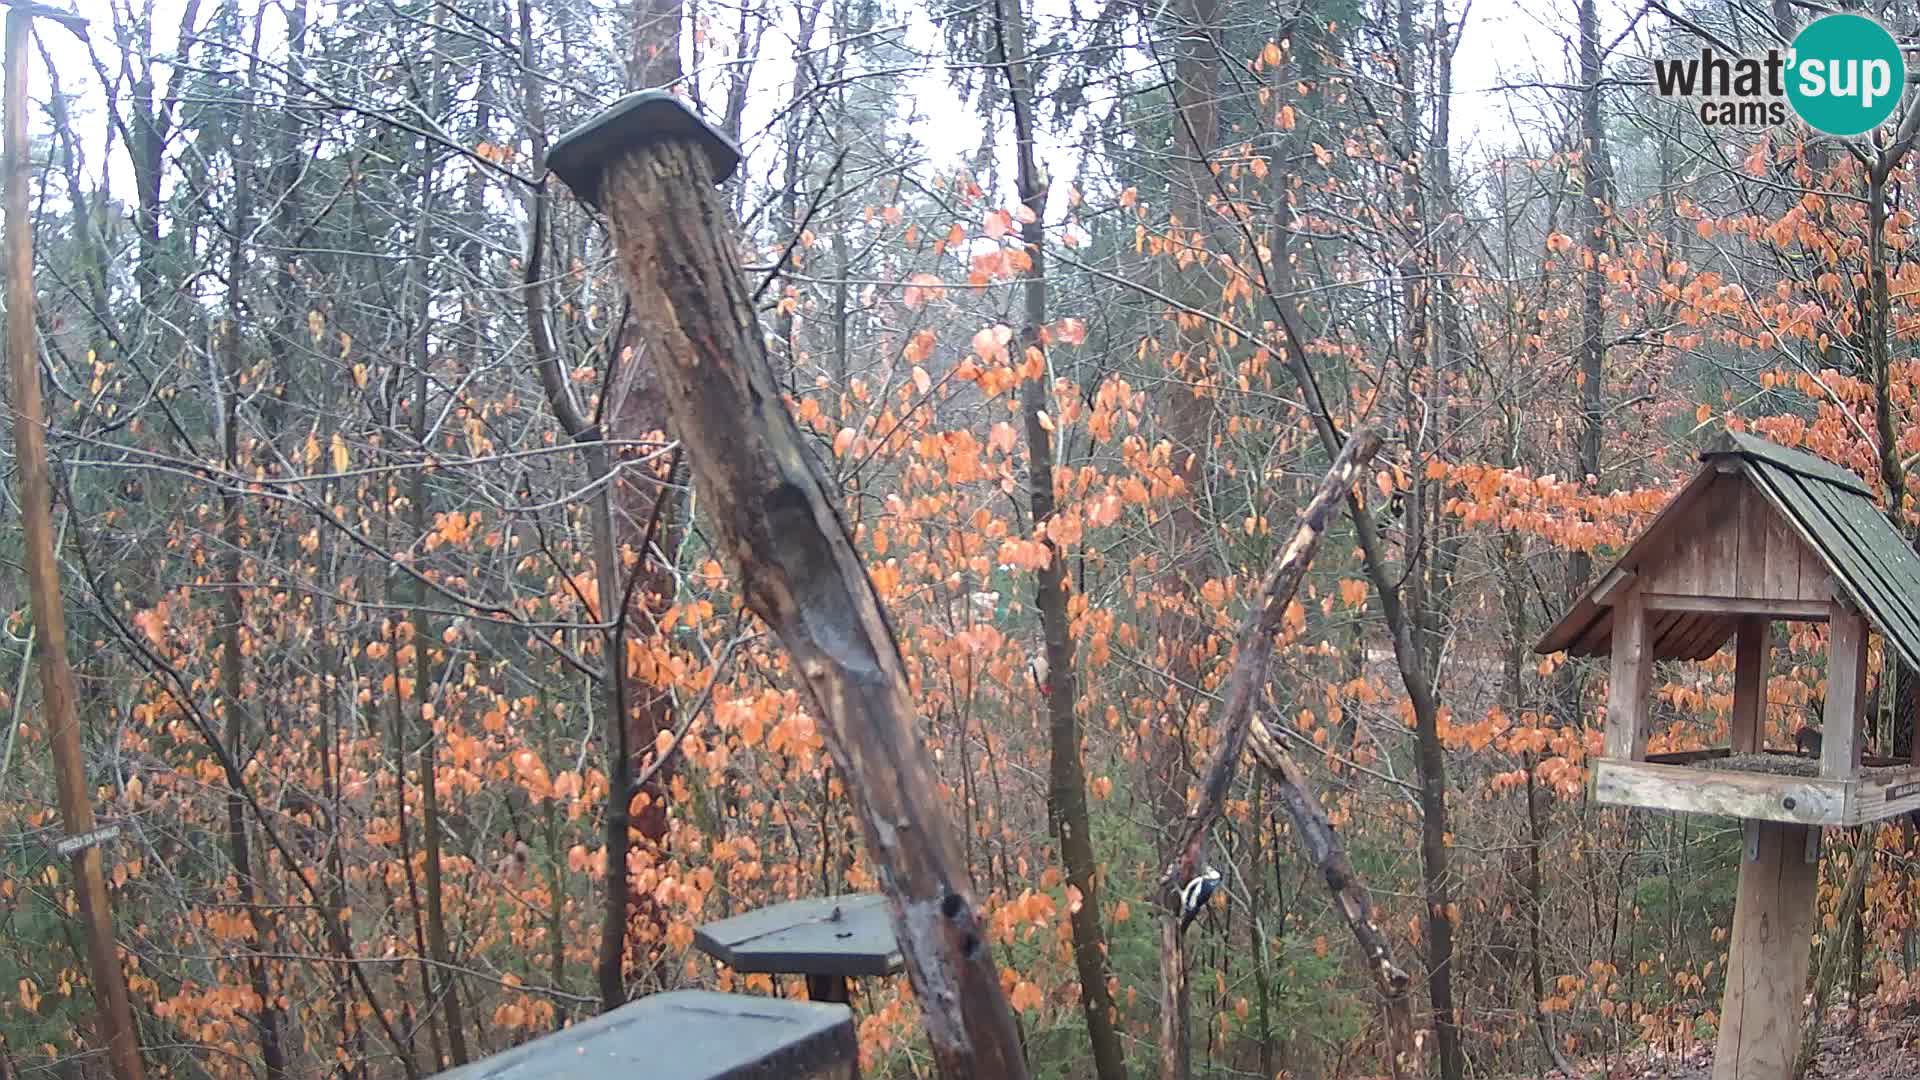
(1193, 898)
(1037, 671)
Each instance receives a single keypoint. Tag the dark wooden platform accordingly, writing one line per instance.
(849, 936)
(829, 939)
(688, 1035)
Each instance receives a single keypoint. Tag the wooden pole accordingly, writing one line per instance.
(1767, 959)
(1632, 681)
(58, 699)
(1843, 736)
(1752, 665)
(651, 164)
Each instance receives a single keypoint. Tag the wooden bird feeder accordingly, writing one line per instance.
(688, 1035)
(828, 939)
(1762, 534)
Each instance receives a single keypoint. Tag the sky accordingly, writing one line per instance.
(1505, 43)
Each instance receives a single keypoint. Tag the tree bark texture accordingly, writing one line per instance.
(798, 570)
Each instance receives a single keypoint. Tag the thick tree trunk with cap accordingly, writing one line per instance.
(652, 167)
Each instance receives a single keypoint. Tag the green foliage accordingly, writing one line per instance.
(34, 931)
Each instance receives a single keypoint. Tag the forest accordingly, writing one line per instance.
(1219, 401)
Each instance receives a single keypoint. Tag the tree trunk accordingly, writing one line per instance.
(798, 570)
(267, 1017)
(1189, 415)
(1067, 778)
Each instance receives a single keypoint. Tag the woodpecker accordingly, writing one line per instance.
(1193, 898)
(1037, 671)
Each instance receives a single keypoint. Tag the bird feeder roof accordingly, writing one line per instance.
(831, 935)
(685, 1035)
(1761, 529)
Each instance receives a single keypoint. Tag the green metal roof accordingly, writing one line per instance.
(1833, 512)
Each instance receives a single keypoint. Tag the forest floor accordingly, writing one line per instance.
(1883, 1052)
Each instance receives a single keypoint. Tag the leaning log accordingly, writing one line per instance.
(1329, 856)
(651, 165)
(1242, 731)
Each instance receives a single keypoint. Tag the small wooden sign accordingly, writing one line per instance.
(86, 840)
(1897, 792)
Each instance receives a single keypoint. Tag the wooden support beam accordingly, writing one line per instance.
(1842, 734)
(1767, 959)
(1612, 585)
(1752, 664)
(1806, 610)
(1632, 681)
(1799, 800)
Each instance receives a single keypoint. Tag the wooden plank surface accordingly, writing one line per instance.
(1879, 800)
(1767, 958)
(688, 1035)
(1842, 732)
(1719, 541)
(1750, 574)
(1705, 637)
(1806, 610)
(1578, 623)
(1632, 681)
(1869, 556)
(1799, 800)
(1782, 572)
(1752, 663)
(1786, 457)
(832, 935)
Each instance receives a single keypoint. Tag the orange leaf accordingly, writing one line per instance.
(921, 288)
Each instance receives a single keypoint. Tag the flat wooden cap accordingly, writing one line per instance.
(650, 116)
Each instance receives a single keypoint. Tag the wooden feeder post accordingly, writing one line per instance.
(650, 164)
(1762, 533)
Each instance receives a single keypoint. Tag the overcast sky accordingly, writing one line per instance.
(1505, 43)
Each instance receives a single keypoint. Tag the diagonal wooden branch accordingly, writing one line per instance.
(1322, 845)
(1255, 655)
(1236, 719)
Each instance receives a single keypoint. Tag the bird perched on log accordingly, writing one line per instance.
(1807, 741)
(1193, 898)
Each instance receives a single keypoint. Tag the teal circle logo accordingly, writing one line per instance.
(1847, 74)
